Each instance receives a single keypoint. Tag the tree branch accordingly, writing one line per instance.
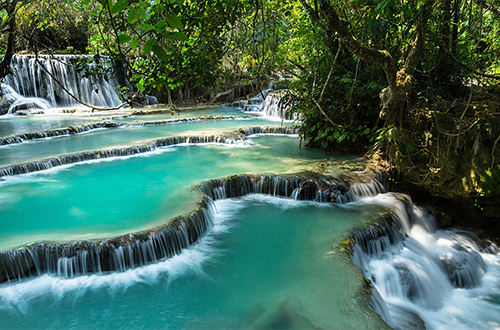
(468, 68)
(381, 58)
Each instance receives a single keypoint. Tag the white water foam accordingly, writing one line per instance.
(272, 134)
(413, 279)
(190, 261)
(10, 179)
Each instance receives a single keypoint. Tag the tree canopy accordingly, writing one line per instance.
(362, 74)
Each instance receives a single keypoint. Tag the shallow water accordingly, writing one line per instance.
(10, 125)
(114, 137)
(99, 198)
(268, 263)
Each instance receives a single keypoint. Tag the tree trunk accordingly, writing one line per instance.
(456, 19)
(10, 8)
(395, 95)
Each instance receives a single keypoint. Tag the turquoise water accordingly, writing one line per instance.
(10, 125)
(114, 137)
(100, 198)
(219, 111)
(267, 264)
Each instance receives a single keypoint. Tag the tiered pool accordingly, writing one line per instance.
(267, 261)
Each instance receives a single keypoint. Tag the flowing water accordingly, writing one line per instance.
(120, 195)
(34, 83)
(163, 242)
(426, 277)
(115, 137)
(267, 263)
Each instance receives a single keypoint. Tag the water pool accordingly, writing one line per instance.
(268, 263)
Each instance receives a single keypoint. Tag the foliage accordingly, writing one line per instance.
(490, 180)
(168, 45)
(52, 25)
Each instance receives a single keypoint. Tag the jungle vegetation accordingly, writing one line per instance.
(414, 83)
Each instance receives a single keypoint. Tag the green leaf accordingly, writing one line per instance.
(160, 52)
(123, 38)
(177, 36)
(174, 21)
(147, 27)
(140, 86)
(133, 15)
(134, 43)
(410, 147)
(119, 6)
(160, 25)
(149, 45)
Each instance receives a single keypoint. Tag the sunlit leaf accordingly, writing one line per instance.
(119, 6)
(174, 21)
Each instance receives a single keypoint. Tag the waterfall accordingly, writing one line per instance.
(274, 106)
(71, 130)
(247, 131)
(133, 250)
(30, 86)
(271, 105)
(12, 102)
(415, 269)
(49, 163)
(238, 138)
(420, 276)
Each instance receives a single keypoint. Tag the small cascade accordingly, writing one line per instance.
(360, 190)
(297, 188)
(70, 130)
(114, 152)
(271, 105)
(116, 254)
(413, 267)
(274, 106)
(133, 250)
(11, 102)
(238, 138)
(247, 131)
(30, 86)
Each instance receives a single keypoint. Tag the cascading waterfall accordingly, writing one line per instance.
(416, 269)
(70, 130)
(114, 152)
(274, 106)
(141, 248)
(30, 86)
(247, 131)
(238, 138)
(271, 105)
(11, 102)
